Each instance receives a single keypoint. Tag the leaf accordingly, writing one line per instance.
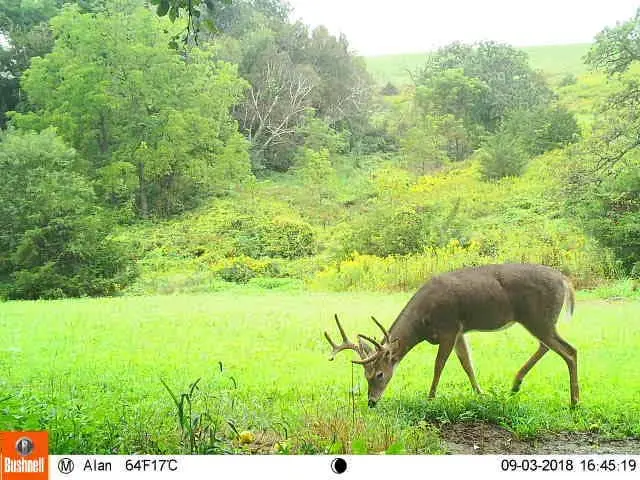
(174, 13)
(163, 8)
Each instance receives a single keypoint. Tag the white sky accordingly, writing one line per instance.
(377, 27)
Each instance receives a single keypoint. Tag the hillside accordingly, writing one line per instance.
(555, 60)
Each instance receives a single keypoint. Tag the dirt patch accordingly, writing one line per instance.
(484, 438)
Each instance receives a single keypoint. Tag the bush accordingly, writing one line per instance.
(502, 155)
(389, 89)
(280, 236)
(541, 129)
(288, 238)
(54, 242)
(388, 231)
(69, 258)
(587, 267)
(243, 269)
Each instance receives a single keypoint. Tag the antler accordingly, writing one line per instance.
(346, 343)
(374, 355)
(384, 331)
(349, 345)
(379, 348)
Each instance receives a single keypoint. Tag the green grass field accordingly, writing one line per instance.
(90, 371)
(555, 61)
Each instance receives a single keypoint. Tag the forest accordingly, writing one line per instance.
(147, 151)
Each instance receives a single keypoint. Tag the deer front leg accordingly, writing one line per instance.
(447, 341)
(462, 350)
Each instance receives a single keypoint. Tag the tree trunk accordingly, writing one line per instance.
(142, 193)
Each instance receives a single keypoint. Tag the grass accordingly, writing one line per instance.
(555, 61)
(190, 373)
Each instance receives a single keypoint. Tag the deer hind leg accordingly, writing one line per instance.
(462, 350)
(447, 341)
(570, 356)
(550, 338)
(542, 349)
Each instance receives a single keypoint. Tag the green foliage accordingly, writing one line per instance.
(611, 212)
(451, 91)
(295, 74)
(603, 180)
(54, 242)
(498, 80)
(388, 231)
(242, 269)
(424, 145)
(389, 89)
(314, 168)
(616, 48)
(233, 240)
(28, 38)
(465, 91)
(317, 134)
(502, 155)
(541, 129)
(287, 238)
(167, 118)
(568, 79)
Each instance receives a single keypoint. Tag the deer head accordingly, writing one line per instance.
(379, 360)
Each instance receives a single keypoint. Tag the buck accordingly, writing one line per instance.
(487, 298)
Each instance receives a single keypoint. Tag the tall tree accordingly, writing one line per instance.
(154, 126)
(504, 70)
(604, 181)
(616, 48)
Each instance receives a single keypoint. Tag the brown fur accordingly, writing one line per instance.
(485, 298)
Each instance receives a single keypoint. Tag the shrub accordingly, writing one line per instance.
(242, 269)
(502, 155)
(388, 231)
(287, 238)
(54, 242)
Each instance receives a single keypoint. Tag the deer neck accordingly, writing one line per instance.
(405, 334)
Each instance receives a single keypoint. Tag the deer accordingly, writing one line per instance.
(485, 298)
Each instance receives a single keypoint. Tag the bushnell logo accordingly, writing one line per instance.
(24, 446)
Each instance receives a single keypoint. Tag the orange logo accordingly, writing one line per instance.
(24, 455)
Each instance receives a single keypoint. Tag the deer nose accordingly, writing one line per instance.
(372, 403)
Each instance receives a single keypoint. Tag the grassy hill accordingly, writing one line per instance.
(555, 60)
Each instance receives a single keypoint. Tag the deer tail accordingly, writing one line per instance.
(569, 297)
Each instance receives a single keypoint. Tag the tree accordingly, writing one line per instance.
(292, 71)
(278, 101)
(542, 128)
(509, 82)
(616, 51)
(616, 48)
(193, 11)
(424, 145)
(604, 182)
(25, 27)
(456, 99)
(154, 126)
(54, 242)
